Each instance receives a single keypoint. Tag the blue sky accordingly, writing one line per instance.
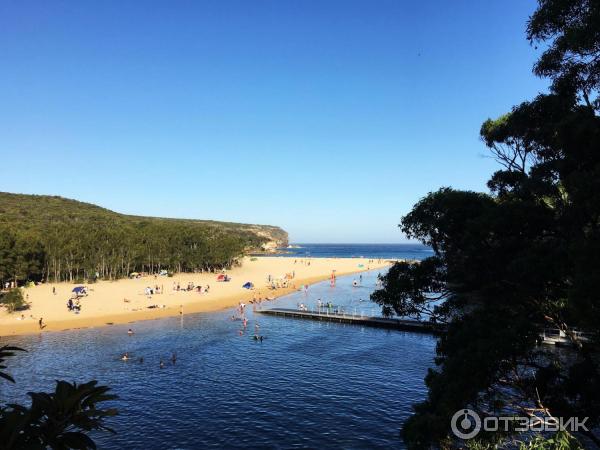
(328, 118)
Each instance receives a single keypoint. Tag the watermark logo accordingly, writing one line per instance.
(466, 424)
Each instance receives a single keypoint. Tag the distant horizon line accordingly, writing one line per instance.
(359, 243)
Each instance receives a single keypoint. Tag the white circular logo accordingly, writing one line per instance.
(465, 424)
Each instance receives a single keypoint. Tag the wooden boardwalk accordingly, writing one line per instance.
(355, 319)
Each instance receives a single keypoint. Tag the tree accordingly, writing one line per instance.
(14, 300)
(49, 238)
(58, 420)
(524, 257)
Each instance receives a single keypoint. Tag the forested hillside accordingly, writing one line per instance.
(52, 238)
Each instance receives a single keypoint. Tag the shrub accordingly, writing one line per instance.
(14, 300)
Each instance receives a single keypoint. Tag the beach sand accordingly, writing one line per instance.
(106, 305)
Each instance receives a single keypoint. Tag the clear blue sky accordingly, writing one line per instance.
(328, 118)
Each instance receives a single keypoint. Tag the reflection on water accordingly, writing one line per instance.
(308, 384)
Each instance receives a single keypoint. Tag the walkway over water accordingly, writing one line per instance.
(357, 319)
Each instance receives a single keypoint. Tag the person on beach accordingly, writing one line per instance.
(53, 290)
(41, 323)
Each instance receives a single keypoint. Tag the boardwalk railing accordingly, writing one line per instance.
(357, 318)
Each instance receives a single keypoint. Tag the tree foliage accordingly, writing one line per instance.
(522, 258)
(59, 420)
(51, 238)
(13, 300)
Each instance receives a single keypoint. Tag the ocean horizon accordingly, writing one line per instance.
(413, 251)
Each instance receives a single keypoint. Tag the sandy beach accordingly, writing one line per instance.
(123, 301)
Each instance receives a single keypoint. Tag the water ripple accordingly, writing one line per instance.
(308, 385)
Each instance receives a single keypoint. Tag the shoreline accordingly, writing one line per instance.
(108, 310)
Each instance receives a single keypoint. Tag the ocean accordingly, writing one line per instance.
(307, 385)
(375, 251)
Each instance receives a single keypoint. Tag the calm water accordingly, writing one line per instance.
(309, 384)
(376, 251)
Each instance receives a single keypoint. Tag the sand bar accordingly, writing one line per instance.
(123, 301)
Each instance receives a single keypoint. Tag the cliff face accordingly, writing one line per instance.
(275, 237)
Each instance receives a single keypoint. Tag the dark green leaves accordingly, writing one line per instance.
(59, 420)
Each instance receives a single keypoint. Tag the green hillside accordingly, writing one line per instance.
(53, 238)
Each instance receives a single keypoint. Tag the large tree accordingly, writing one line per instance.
(524, 257)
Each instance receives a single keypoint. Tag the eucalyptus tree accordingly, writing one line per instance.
(523, 257)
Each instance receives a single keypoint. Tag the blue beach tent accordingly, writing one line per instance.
(79, 291)
(248, 285)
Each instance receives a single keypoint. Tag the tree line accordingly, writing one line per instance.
(67, 242)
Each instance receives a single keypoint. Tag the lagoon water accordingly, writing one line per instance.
(308, 384)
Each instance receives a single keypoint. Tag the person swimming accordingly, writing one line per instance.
(130, 332)
(161, 364)
(141, 360)
(125, 357)
(174, 358)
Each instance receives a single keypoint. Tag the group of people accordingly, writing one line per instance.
(321, 305)
(302, 261)
(74, 306)
(372, 261)
(241, 310)
(191, 287)
(127, 357)
(161, 364)
(153, 290)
